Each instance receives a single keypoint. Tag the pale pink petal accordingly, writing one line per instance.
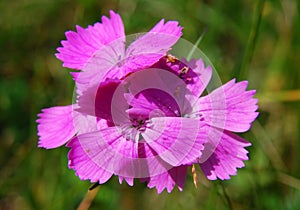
(80, 46)
(130, 181)
(169, 179)
(84, 167)
(87, 123)
(104, 64)
(176, 140)
(109, 150)
(229, 107)
(55, 126)
(200, 77)
(150, 47)
(227, 156)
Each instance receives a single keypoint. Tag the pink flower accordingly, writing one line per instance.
(140, 113)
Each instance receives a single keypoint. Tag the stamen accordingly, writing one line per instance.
(195, 178)
(183, 71)
(171, 58)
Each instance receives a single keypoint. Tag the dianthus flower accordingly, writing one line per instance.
(140, 112)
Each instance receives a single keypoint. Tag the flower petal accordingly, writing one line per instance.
(84, 167)
(229, 107)
(150, 47)
(112, 61)
(109, 150)
(176, 140)
(130, 181)
(55, 126)
(85, 123)
(99, 103)
(192, 74)
(105, 101)
(201, 78)
(156, 100)
(169, 179)
(104, 64)
(81, 45)
(158, 89)
(227, 156)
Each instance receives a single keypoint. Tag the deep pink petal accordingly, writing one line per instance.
(176, 140)
(55, 126)
(80, 46)
(105, 101)
(229, 107)
(157, 89)
(194, 73)
(228, 155)
(99, 103)
(169, 179)
(155, 99)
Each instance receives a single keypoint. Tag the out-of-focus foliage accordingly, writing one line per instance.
(264, 46)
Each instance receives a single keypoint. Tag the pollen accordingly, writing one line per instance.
(171, 58)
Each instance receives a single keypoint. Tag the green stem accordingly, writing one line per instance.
(226, 197)
(190, 55)
(251, 40)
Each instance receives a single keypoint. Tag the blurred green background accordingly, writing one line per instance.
(254, 40)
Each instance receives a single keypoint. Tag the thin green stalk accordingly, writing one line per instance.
(189, 56)
(251, 40)
(226, 197)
